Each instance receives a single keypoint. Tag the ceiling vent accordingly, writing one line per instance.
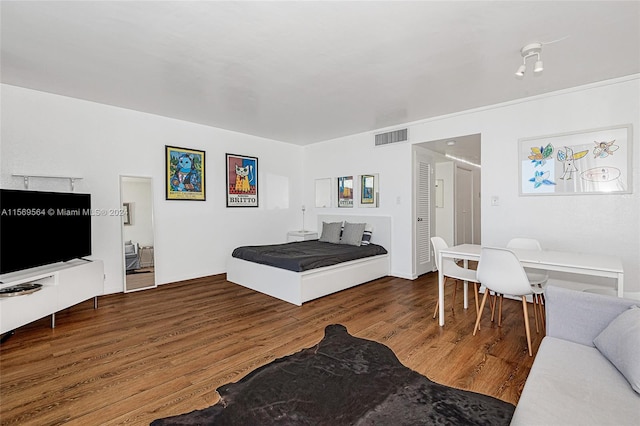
(392, 137)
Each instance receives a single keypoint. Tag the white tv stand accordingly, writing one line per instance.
(64, 284)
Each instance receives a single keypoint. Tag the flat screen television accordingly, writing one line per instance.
(40, 228)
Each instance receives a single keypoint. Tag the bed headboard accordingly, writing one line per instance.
(381, 225)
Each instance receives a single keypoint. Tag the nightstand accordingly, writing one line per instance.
(301, 235)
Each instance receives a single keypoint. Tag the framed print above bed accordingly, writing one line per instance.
(345, 191)
(185, 174)
(369, 190)
(242, 181)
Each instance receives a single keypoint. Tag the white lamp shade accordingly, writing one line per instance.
(538, 67)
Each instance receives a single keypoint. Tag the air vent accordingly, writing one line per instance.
(391, 137)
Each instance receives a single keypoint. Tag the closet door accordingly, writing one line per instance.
(424, 214)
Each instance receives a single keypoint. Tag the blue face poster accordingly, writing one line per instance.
(185, 174)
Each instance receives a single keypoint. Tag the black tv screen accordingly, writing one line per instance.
(39, 228)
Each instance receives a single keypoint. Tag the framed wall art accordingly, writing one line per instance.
(345, 191)
(369, 190)
(242, 181)
(596, 161)
(185, 174)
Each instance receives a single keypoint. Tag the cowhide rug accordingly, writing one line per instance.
(344, 380)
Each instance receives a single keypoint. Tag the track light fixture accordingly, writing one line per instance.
(530, 50)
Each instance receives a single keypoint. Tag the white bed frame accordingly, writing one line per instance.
(300, 287)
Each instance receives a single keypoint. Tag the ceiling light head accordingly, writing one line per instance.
(538, 68)
(521, 70)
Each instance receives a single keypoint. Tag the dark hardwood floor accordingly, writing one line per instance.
(164, 351)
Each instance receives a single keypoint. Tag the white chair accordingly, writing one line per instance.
(500, 271)
(537, 279)
(451, 270)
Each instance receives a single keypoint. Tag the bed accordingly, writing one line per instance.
(300, 286)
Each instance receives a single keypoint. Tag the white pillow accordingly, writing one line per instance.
(620, 344)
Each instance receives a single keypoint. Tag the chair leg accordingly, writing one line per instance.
(475, 295)
(526, 323)
(542, 313)
(535, 312)
(493, 306)
(484, 300)
(500, 311)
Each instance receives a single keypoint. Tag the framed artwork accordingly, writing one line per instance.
(345, 191)
(596, 161)
(185, 169)
(369, 190)
(242, 181)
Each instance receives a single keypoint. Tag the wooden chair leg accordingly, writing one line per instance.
(500, 311)
(484, 300)
(535, 311)
(475, 295)
(542, 313)
(526, 323)
(493, 306)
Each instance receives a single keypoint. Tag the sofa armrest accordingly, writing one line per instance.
(578, 316)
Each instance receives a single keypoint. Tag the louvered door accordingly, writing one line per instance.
(424, 182)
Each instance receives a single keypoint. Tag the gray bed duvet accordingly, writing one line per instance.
(305, 255)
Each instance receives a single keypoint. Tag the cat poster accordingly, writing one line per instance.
(184, 174)
(242, 181)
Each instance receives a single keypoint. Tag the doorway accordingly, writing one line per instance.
(457, 213)
(138, 239)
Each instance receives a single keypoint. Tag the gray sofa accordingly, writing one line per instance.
(572, 382)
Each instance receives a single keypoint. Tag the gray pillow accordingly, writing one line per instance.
(331, 232)
(620, 344)
(352, 233)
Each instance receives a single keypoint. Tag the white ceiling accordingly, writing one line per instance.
(303, 72)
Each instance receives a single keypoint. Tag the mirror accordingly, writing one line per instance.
(136, 198)
(323, 192)
(439, 193)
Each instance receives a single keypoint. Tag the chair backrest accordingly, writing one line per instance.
(524, 243)
(438, 244)
(500, 270)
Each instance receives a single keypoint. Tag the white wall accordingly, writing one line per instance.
(48, 134)
(605, 224)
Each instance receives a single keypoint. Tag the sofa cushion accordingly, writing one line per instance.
(620, 344)
(574, 384)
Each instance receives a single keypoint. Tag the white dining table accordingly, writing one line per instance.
(577, 263)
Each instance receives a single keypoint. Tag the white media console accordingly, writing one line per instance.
(63, 285)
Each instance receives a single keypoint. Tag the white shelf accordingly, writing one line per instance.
(72, 179)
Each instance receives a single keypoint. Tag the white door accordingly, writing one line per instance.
(424, 212)
(464, 206)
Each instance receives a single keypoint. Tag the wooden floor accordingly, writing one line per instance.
(164, 351)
